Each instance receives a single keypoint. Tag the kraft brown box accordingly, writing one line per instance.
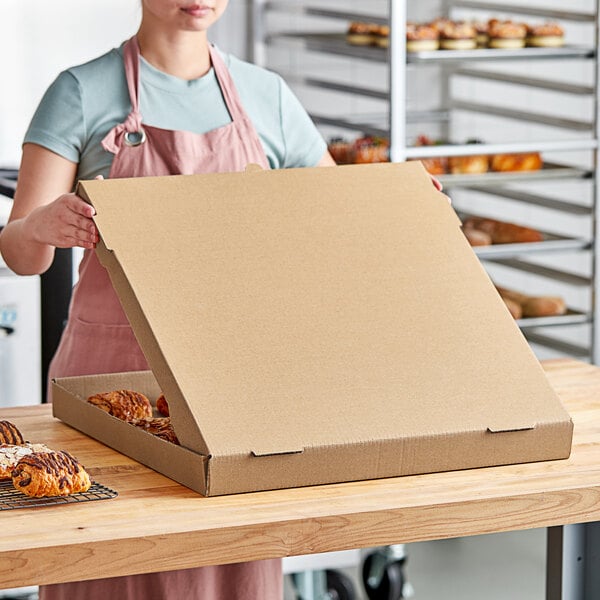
(311, 326)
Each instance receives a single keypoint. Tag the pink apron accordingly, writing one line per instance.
(98, 338)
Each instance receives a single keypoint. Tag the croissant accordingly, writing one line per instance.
(123, 404)
(9, 434)
(159, 426)
(50, 474)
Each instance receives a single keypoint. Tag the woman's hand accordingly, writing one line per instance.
(44, 214)
(64, 223)
(437, 184)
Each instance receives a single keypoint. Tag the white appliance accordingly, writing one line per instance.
(20, 334)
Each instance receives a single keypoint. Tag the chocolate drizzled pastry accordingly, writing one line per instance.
(10, 454)
(123, 404)
(9, 434)
(159, 426)
(50, 474)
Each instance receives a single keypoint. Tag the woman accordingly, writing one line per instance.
(166, 102)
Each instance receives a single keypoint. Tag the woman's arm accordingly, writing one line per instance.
(45, 214)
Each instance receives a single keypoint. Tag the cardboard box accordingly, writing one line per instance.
(311, 326)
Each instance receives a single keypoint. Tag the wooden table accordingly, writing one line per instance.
(156, 524)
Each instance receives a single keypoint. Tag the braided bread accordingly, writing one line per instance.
(50, 474)
(123, 404)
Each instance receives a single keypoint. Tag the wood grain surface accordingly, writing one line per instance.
(155, 524)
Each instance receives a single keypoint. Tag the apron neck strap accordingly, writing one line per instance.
(131, 60)
(228, 89)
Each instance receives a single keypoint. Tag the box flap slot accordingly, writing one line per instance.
(507, 427)
(266, 451)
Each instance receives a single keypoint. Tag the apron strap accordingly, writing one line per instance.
(133, 122)
(228, 89)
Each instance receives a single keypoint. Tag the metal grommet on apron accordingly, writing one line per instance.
(134, 138)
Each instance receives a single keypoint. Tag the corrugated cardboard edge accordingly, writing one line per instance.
(176, 462)
(214, 476)
(393, 458)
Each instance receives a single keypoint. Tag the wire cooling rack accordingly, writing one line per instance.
(11, 498)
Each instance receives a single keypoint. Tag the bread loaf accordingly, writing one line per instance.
(514, 308)
(468, 165)
(534, 306)
(516, 162)
(544, 306)
(502, 232)
(476, 237)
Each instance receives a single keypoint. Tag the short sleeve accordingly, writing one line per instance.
(58, 122)
(304, 145)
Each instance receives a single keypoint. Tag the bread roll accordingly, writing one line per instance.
(502, 232)
(531, 161)
(544, 306)
(421, 37)
(514, 308)
(535, 306)
(468, 165)
(476, 237)
(360, 33)
(546, 35)
(458, 35)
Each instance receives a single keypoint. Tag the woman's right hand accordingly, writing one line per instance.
(64, 223)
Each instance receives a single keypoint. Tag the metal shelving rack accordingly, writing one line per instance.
(578, 135)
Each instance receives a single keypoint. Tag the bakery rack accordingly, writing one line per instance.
(303, 29)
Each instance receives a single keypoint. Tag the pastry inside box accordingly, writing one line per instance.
(129, 412)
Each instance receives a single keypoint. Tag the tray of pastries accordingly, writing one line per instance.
(447, 34)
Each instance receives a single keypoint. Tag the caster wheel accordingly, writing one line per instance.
(391, 584)
(339, 586)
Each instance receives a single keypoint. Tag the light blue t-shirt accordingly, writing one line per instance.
(86, 101)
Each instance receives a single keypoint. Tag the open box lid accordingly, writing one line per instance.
(284, 310)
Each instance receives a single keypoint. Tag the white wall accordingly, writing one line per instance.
(40, 38)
